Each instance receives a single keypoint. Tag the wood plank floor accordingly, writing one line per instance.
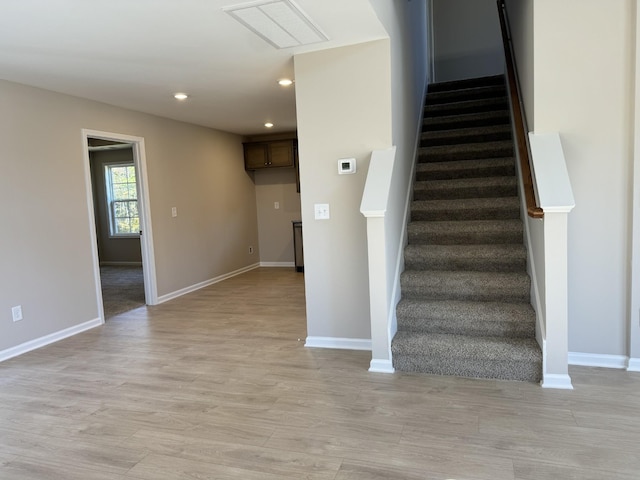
(218, 385)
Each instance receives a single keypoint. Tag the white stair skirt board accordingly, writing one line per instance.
(206, 283)
(597, 360)
(48, 339)
(633, 365)
(381, 366)
(277, 264)
(558, 381)
(340, 343)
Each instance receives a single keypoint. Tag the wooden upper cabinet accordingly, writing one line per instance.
(269, 154)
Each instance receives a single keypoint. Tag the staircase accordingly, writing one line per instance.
(465, 307)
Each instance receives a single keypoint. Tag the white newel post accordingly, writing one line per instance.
(556, 200)
(556, 371)
(374, 207)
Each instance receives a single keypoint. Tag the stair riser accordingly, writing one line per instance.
(496, 213)
(475, 172)
(479, 93)
(498, 264)
(464, 291)
(471, 192)
(451, 327)
(473, 368)
(482, 238)
(435, 140)
(481, 106)
(428, 155)
(451, 123)
(456, 85)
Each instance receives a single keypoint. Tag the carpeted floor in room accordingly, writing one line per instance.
(122, 289)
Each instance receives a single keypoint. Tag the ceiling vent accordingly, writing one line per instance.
(279, 22)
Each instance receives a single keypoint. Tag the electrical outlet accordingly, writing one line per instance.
(16, 313)
(276, 205)
(250, 250)
(174, 211)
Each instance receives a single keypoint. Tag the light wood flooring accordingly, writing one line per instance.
(218, 385)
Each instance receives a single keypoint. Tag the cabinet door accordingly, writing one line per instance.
(281, 153)
(255, 156)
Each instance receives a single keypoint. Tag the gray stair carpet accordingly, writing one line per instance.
(465, 308)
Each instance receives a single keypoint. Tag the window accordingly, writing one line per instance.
(122, 199)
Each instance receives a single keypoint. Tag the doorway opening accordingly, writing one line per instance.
(121, 228)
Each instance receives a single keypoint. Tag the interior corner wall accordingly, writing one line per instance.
(343, 102)
(467, 39)
(583, 90)
(46, 252)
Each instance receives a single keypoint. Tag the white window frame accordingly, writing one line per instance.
(111, 202)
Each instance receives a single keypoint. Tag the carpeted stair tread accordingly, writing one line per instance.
(468, 356)
(483, 319)
(498, 117)
(486, 167)
(465, 151)
(468, 232)
(466, 209)
(466, 83)
(504, 186)
(486, 258)
(466, 135)
(473, 93)
(466, 285)
(466, 106)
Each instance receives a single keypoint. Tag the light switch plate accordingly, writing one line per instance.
(321, 211)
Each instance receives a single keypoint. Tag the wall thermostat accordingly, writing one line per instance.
(346, 165)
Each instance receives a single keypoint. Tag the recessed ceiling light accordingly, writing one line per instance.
(268, 125)
(180, 96)
(285, 82)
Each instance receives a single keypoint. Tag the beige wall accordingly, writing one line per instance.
(583, 90)
(46, 251)
(274, 225)
(580, 83)
(466, 39)
(343, 99)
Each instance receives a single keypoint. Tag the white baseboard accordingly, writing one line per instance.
(48, 339)
(381, 366)
(341, 343)
(206, 283)
(597, 360)
(558, 381)
(277, 264)
(633, 365)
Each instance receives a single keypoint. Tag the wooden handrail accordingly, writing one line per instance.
(522, 141)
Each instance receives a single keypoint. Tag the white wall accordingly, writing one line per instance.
(467, 40)
(583, 90)
(46, 252)
(343, 99)
(580, 84)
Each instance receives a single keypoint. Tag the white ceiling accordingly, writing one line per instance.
(137, 53)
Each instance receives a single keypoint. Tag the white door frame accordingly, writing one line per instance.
(146, 239)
